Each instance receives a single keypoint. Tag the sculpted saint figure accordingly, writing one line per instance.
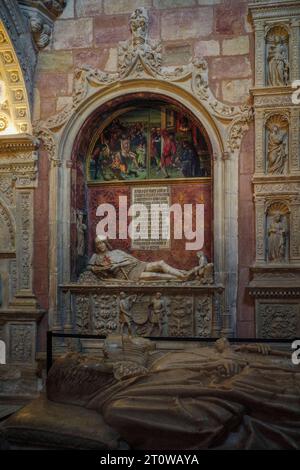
(277, 150)
(276, 239)
(278, 66)
(107, 264)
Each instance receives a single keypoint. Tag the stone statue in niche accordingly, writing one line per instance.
(277, 238)
(277, 60)
(277, 145)
(108, 264)
(125, 317)
(81, 228)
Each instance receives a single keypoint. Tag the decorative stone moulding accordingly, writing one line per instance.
(41, 15)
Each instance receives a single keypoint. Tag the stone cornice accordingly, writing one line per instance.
(17, 143)
(273, 9)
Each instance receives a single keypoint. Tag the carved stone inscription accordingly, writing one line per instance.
(152, 233)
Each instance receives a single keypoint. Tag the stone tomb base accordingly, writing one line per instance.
(179, 310)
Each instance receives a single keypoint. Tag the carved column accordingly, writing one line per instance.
(24, 223)
(259, 53)
(295, 41)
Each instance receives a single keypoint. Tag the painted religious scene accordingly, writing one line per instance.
(148, 143)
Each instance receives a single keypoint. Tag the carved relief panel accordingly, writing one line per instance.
(155, 313)
(277, 320)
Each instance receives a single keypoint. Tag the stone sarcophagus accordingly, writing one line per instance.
(148, 309)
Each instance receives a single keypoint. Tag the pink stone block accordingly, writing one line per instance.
(93, 57)
(111, 29)
(186, 23)
(230, 67)
(230, 18)
(73, 34)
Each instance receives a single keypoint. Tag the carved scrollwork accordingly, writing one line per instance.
(203, 317)
(238, 128)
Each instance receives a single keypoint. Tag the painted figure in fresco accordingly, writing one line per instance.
(277, 151)
(116, 264)
(128, 157)
(278, 66)
(155, 147)
(168, 153)
(276, 239)
(98, 156)
(157, 310)
(188, 159)
(125, 306)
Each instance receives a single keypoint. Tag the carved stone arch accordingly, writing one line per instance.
(277, 205)
(60, 173)
(140, 70)
(161, 88)
(7, 229)
(16, 26)
(14, 104)
(282, 117)
(277, 28)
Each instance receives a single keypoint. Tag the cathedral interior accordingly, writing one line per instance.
(147, 334)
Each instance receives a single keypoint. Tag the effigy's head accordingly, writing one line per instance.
(101, 244)
(222, 344)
